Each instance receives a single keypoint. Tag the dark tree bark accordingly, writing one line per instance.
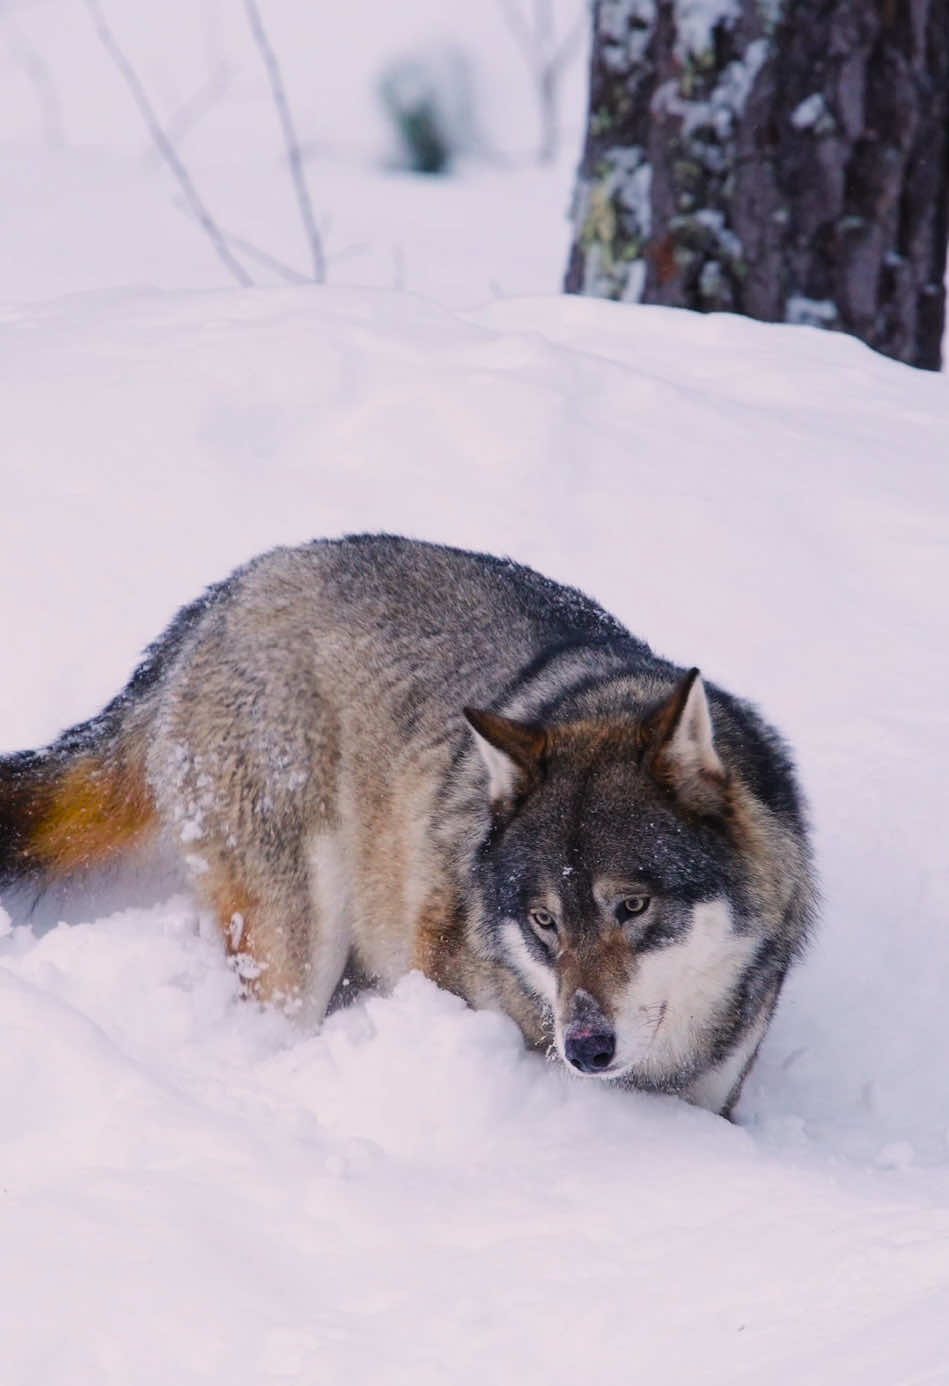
(785, 159)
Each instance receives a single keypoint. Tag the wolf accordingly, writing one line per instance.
(387, 755)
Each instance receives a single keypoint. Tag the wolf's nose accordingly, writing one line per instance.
(590, 1051)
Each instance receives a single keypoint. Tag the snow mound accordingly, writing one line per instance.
(196, 1191)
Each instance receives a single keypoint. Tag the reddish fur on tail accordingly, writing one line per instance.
(85, 799)
(65, 812)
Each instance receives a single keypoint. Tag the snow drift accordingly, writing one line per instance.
(192, 1191)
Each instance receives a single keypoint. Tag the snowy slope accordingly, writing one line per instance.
(192, 1192)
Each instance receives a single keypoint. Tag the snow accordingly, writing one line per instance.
(810, 112)
(810, 312)
(696, 21)
(195, 1191)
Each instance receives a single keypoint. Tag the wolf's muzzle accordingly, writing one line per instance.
(589, 1051)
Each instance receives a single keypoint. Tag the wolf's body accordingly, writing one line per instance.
(619, 864)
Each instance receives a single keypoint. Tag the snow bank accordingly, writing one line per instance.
(408, 1196)
(196, 1193)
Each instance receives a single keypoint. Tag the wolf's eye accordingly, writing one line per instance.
(544, 922)
(631, 906)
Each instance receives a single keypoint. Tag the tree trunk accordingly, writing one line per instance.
(785, 159)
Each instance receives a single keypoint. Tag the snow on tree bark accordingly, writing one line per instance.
(785, 159)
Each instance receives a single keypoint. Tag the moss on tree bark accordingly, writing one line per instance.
(785, 159)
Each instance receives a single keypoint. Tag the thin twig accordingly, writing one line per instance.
(256, 252)
(350, 252)
(183, 120)
(264, 257)
(521, 30)
(543, 28)
(546, 59)
(289, 138)
(38, 73)
(164, 145)
(570, 41)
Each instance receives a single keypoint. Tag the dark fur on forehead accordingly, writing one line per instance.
(599, 813)
(632, 683)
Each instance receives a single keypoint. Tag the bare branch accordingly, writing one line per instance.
(350, 252)
(264, 257)
(546, 59)
(182, 121)
(255, 252)
(521, 30)
(290, 139)
(164, 145)
(38, 73)
(543, 28)
(571, 40)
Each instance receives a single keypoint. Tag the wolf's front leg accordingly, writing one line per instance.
(268, 930)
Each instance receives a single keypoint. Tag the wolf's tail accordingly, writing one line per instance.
(86, 798)
(75, 804)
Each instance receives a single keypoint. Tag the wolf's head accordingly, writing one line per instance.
(632, 881)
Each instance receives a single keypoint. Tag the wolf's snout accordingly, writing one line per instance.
(589, 1051)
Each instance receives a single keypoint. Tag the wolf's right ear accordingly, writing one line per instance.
(681, 743)
(512, 751)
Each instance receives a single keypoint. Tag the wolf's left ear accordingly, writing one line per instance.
(512, 751)
(681, 749)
